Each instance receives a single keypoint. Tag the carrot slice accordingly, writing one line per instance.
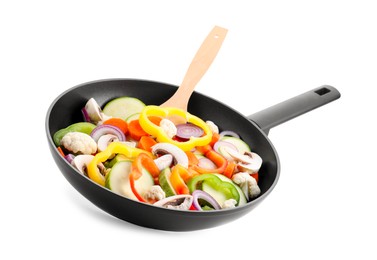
(135, 130)
(146, 142)
(118, 122)
(60, 150)
(230, 169)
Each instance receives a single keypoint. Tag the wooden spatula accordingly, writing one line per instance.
(198, 67)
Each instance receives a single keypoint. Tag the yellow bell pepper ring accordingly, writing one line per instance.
(113, 148)
(155, 130)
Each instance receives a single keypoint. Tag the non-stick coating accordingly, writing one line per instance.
(66, 109)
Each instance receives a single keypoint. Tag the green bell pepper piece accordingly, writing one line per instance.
(83, 127)
(227, 189)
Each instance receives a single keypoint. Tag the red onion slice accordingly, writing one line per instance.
(69, 157)
(85, 115)
(222, 148)
(206, 163)
(185, 131)
(220, 144)
(107, 129)
(199, 194)
(229, 133)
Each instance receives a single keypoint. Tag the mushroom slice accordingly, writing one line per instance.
(105, 140)
(164, 161)
(250, 162)
(102, 169)
(93, 110)
(254, 165)
(237, 156)
(181, 202)
(179, 156)
(80, 162)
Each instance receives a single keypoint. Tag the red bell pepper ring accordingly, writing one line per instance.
(132, 184)
(142, 161)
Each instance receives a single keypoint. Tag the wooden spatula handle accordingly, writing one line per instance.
(198, 67)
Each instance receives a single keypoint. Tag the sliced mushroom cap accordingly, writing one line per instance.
(181, 202)
(94, 110)
(179, 156)
(254, 165)
(164, 161)
(102, 169)
(250, 168)
(250, 162)
(237, 156)
(80, 162)
(105, 140)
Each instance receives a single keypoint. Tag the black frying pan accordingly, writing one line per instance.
(66, 109)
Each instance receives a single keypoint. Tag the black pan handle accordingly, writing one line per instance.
(296, 106)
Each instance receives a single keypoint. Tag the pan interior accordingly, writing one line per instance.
(66, 110)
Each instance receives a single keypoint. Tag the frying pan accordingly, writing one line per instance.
(253, 129)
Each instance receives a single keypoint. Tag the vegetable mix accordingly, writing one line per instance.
(161, 156)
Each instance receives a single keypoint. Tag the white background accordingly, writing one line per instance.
(324, 205)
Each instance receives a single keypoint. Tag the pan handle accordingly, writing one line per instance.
(296, 106)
